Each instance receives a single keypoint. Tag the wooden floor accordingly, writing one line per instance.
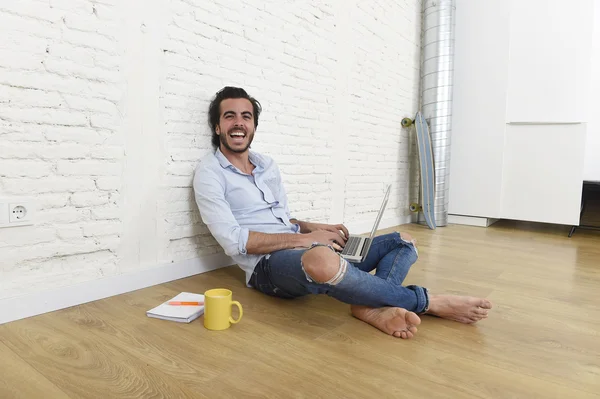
(541, 341)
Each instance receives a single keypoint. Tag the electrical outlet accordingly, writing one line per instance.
(15, 212)
(18, 213)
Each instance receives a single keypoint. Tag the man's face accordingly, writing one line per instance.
(236, 124)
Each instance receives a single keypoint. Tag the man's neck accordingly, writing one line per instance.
(240, 160)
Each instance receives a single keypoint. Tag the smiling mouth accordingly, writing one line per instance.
(237, 136)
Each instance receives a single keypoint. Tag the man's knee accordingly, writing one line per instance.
(322, 265)
(408, 238)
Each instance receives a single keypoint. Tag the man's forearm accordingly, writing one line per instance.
(263, 243)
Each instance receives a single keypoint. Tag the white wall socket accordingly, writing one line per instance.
(16, 212)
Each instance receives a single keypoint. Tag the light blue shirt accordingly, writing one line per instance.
(233, 203)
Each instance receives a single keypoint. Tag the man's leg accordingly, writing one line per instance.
(391, 255)
(394, 266)
(394, 320)
(340, 283)
(282, 275)
(319, 270)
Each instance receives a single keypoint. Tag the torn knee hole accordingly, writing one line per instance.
(407, 238)
(315, 266)
(343, 266)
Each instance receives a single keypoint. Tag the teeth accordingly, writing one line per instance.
(237, 134)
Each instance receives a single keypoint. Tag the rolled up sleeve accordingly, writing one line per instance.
(215, 212)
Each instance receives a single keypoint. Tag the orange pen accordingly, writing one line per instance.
(177, 303)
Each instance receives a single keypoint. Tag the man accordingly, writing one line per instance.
(242, 200)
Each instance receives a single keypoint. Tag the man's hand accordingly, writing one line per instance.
(339, 229)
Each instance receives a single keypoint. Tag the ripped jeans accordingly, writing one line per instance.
(281, 274)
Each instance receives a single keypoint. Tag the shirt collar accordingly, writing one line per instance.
(222, 159)
(256, 160)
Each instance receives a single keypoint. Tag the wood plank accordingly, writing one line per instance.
(540, 340)
(84, 366)
(431, 360)
(20, 380)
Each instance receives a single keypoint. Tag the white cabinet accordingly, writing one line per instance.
(521, 75)
(542, 173)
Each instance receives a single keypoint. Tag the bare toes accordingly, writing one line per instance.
(475, 318)
(404, 334)
(412, 319)
(481, 312)
(485, 304)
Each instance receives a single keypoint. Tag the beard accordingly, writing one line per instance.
(223, 139)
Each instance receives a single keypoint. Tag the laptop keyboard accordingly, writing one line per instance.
(351, 246)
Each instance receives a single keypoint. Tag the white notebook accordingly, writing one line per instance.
(181, 314)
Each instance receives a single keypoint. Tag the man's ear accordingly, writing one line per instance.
(218, 129)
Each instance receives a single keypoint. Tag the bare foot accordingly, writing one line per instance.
(464, 309)
(393, 321)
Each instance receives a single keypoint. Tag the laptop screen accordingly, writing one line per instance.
(380, 214)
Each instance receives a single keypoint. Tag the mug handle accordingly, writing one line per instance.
(239, 305)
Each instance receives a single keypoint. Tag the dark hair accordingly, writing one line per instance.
(214, 110)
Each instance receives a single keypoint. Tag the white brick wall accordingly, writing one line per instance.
(334, 79)
(59, 74)
(384, 83)
(285, 57)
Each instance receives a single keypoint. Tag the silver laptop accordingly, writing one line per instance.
(357, 247)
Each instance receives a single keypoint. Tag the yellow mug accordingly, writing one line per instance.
(217, 309)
